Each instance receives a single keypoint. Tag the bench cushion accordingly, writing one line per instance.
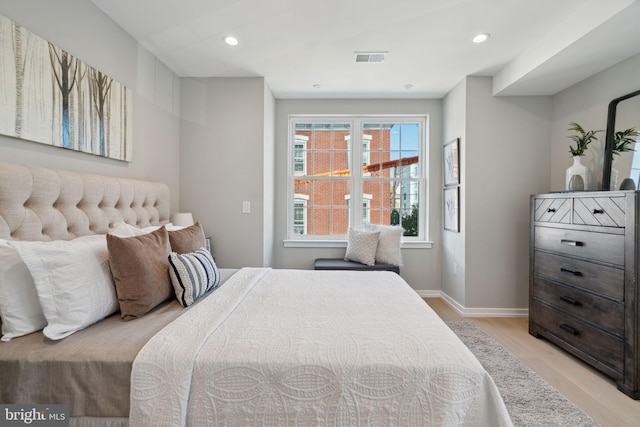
(341, 264)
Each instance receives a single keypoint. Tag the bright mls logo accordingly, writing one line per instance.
(34, 415)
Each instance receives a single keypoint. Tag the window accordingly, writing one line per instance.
(328, 194)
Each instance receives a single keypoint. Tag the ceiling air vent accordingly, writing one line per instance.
(371, 56)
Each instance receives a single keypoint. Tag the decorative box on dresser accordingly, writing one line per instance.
(583, 293)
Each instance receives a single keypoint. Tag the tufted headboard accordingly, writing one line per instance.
(48, 204)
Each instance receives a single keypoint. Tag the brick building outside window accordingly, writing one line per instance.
(327, 195)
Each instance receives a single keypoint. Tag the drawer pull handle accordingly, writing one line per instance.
(573, 272)
(569, 329)
(571, 242)
(570, 300)
(551, 210)
(598, 211)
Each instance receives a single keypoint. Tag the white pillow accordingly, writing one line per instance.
(19, 306)
(192, 275)
(389, 242)
(361, 246)
(73, 281)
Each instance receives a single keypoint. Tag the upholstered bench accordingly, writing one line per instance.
(341, 264)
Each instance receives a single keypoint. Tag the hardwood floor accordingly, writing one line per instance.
(593, 392)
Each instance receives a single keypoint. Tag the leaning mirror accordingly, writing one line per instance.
(622, 167)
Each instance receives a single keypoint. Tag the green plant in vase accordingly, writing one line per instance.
(577, 176)
(582, 139)
(623, 141)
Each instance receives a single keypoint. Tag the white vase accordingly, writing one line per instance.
(577, 169)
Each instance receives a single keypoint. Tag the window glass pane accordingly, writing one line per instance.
(326, 210)
(394, 150)
(394, 203)
(327, 146)
(406, 207)
(340, 220)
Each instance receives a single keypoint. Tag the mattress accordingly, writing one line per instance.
(89, 370)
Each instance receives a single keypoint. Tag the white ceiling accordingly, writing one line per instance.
(537, 47)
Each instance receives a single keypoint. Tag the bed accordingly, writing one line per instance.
(266, 347)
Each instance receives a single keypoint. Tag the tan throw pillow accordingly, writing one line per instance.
(188, 239)
(140, 269)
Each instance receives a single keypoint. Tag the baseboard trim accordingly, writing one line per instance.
(429, 294)
(474, 312)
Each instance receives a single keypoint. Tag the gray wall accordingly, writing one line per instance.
(422, 266)
(586, 103)
(503, 160)
(454, 120)
(84, 31)
(226, 157)
(507, 139)
(269, 176)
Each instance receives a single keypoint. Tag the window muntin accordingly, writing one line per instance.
(391, 179)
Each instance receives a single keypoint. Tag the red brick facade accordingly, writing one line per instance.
(327, 154)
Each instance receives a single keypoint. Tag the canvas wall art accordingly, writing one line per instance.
(49, 96)
(451, 205)
(451, 164)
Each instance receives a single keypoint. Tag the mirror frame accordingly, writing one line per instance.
(608, 146)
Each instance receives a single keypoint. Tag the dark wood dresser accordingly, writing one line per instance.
(583, 294)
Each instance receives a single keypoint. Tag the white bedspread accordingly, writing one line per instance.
(311, 348)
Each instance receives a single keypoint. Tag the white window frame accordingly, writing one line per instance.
(357, 122)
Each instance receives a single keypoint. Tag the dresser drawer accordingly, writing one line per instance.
(603, 247)
(600, 211)
(604, 280)
(587, 339)
(552, 210)
(603, 313)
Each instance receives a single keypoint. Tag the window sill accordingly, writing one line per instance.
(343, 244)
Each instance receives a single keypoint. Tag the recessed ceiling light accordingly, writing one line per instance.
(480, 38)
(230, 40)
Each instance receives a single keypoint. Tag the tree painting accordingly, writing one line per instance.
(47, 95)
(65, 69)
(20, 41)
(100, 88)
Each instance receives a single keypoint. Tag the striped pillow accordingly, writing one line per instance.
(192, 275)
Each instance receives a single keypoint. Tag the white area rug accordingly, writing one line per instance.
(530, 400)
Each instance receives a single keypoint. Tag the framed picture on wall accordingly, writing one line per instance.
(451, 164)
(451, 204)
